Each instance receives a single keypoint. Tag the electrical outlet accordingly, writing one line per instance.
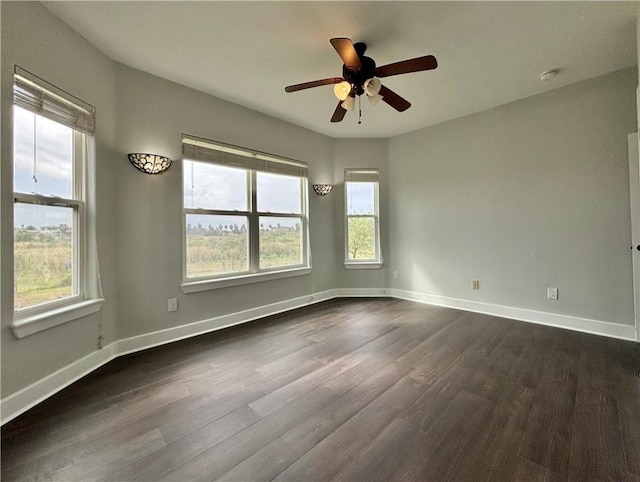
(396, 275)
(172, 304)
(475, 284)
(552, 293)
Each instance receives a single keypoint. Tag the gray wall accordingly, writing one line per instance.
(152, 114)
(37, 41)
(529, 195)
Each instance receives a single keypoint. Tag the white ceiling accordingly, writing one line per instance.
(489, 53)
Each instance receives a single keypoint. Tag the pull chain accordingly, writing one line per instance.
(359, 109)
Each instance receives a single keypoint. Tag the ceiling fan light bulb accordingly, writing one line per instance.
(349, 103)
(374, 99)
(342, 90)
(372, 86)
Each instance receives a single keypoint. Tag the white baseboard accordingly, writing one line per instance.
(161, 337)
(585, 325)
(23, 400)
(361, 292)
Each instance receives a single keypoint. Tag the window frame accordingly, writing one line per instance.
(79, 235)
(371, 263)
(254, 272)
(42, 98)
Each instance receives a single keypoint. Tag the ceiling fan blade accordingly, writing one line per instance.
(394, 100)
(339, 113)
(315, 83)
(346, 51)
(419, 64)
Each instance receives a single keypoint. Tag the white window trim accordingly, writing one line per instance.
(42, 98)
(245, 279)
(365, 263)
(255, 274)
(53, 308)
(36, 323)
(362, 265)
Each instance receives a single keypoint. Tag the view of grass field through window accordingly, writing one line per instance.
(43, 264)
(218, 242)
(221, 246)
(43, 234)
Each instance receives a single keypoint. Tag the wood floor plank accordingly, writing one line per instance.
(222, 457)
(173, 455)
(252, 390)
(96, 465)
(547, 439)
(493, 456)
(349, 389)
(345, 442)
(439, 449)
(381, 457)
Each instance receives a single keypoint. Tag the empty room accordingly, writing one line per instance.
(310, 241)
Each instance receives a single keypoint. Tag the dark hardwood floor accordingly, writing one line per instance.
(349, 390)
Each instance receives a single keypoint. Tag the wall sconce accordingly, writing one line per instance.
(322, 189)
(150, 163)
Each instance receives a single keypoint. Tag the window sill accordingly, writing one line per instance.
(43, 321)
(214, 284)
(373, 265)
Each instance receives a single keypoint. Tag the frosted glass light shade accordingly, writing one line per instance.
(349, 103)
(342, 90)
(372, 86)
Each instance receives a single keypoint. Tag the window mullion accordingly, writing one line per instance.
(45, 200)
(279, 215)
(215, 212)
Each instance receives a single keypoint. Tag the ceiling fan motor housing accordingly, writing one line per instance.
(357, 76)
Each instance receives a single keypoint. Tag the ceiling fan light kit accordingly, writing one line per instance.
(361, 76)
(372, 86)
(349, 103)
(342, 90)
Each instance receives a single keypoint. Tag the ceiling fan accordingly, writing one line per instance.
(360, 75)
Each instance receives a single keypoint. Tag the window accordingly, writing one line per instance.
(49, 153)
(362, 247)
(245, 212)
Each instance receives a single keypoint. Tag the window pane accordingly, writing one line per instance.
(209, 186)
(278, 193)
(43, 254)
(216, 245)
(43, 155)
(362, 238)
(360, 197)
(280, 242)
